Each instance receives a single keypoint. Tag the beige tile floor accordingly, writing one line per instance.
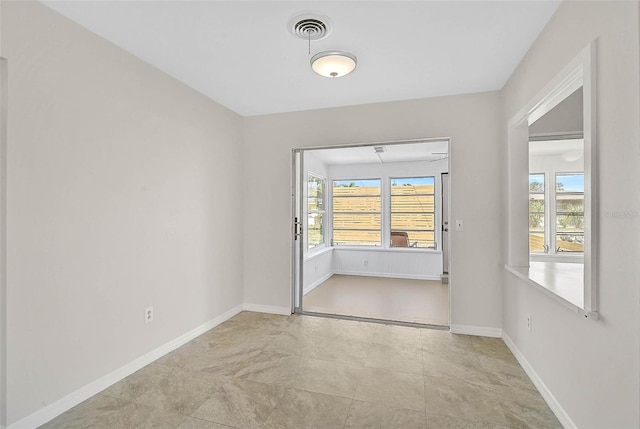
(404, 300)
(266, 371)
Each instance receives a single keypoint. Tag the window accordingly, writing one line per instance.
(559, 215)
(357, 212)
(413, 212)
(315, 211)
(537, 242)
(569, 213)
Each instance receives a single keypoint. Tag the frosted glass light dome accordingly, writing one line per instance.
(333, 63)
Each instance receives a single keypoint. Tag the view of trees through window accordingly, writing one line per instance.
(315, 211)
(537, 242)
(570, 212)
(564, 205)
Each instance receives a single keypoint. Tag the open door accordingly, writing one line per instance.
(297, 229)
(445, 227)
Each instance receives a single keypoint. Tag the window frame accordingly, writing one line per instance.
(545, 211)
(309, 212)
(553, 224)
(550, 217)
(433, 213)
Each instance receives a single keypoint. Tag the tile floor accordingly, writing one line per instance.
(405, 300)
(266, 371)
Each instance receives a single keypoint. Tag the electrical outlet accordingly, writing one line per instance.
(366, 262)
(148, 315)
(529, 322)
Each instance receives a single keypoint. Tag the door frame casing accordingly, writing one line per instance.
(297, 251)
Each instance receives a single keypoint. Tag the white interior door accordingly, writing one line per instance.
(445, 226)
(297, 228)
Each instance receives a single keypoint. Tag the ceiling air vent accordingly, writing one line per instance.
(310, 26)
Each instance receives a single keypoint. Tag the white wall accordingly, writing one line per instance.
(472, 123)
(591, 367)
(118, 199)
(552, 164)
(3, 241)
(318, 267)
(401, 263)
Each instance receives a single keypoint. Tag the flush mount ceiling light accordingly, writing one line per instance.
(333, 63)
(312, 26)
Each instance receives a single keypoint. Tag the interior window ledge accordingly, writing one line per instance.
(558, 257)
(317, 252)
(388, 249)
(557, 280)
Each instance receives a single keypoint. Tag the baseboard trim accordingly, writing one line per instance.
(551, 400)
(58, 407)
(317, 283)
(271, 309)
(389, 275)
(479, 331)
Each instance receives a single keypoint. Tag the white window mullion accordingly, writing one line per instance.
(386, 212)
(551, 202)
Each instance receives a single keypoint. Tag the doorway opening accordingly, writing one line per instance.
(370, 232)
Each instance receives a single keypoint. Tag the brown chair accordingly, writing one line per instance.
(399, 239)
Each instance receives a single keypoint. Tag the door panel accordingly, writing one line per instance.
(445, 226)
(296, 228)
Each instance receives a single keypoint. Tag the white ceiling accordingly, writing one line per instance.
(241, 54)
(430, 151)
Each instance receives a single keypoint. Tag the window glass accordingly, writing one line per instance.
(570, 213)
(357, 217)
(315, 211)
(537, 242)
(413, 212)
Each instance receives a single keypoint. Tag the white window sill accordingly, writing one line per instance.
(389, 249)
(561, 281)
(317, 252)
(558, 257)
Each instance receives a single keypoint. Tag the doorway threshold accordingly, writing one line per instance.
(373, 320)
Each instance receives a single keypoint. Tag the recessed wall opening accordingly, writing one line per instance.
(371, 233)
(556, 196)
(552, 238)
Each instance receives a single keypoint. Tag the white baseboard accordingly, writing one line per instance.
(551, 400)
(271, 309)
(389, 275)
(479, 331)
(58, 407)
(317, 283)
